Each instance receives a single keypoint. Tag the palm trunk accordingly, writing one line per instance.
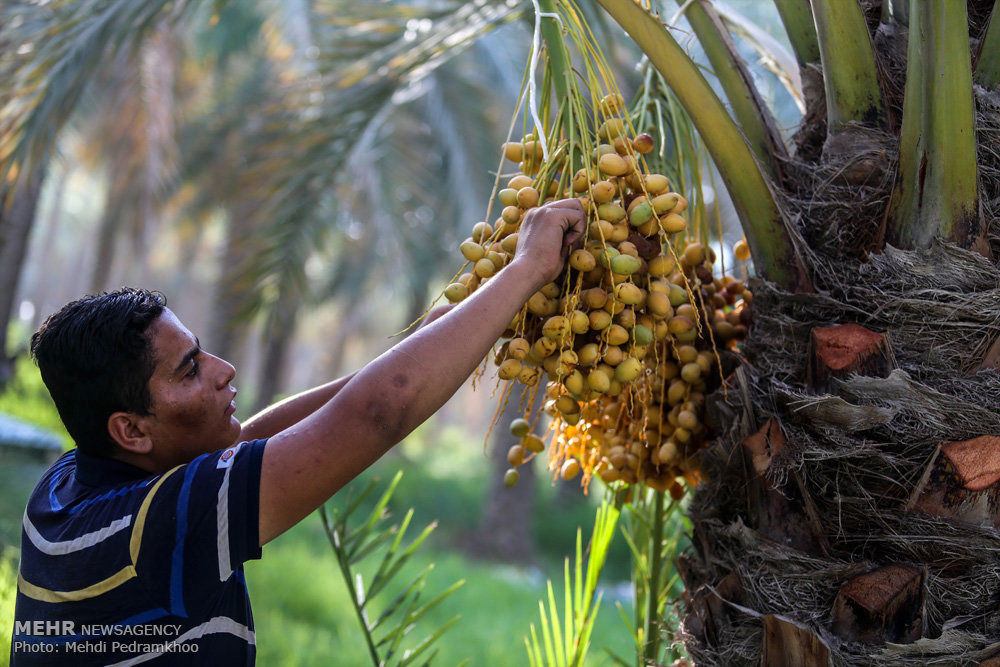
(41, 288)
(350, 323)
(227, 330)
(849, 514)
(107, 236)
(277, 338)
(418, 302)
(17, 216)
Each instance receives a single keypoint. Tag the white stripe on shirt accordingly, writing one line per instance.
(222, 528)
(69, 546)
(219, 624)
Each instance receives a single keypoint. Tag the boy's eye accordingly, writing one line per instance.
(194, 369)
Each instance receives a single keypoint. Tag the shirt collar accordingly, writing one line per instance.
(100, 471)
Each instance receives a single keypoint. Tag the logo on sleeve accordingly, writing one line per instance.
(226, 459)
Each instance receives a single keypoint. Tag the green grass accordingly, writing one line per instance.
(304, 594)
(8, 586)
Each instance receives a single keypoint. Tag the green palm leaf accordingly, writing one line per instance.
(385, 635)
(565, 636)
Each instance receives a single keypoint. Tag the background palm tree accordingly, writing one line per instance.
(18, 203)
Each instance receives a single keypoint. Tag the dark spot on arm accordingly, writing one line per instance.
(385, 418)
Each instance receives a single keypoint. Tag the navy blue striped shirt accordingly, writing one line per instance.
(119, 566)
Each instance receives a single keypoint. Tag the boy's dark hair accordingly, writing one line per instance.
(95, 359)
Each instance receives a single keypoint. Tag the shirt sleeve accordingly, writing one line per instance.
(203, 523)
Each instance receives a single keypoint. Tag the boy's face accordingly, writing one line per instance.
(192, 398)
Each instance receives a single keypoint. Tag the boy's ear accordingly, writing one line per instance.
(127, 431)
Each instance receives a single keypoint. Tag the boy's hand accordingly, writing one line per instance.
(548, 235)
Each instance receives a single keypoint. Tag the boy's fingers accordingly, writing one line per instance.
(576, 229)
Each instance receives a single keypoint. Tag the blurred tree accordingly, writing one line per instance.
(293, 139)
(132, 127)
(50, 234)
(18, 202)
(278, 332)
(316, 132)
(51, 53)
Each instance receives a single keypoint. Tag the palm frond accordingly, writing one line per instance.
(354, 542)
(753, 116)
(987, 70)
(850, 74)
(359, 70)
(773, 55)
(132, 128)
(421, 177)
(796, 15)
(773, 251)
(428, 207)
(52, 51)
(565, 635)
(936, 192)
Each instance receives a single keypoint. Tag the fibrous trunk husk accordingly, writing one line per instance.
(850, 460)
(889, 465)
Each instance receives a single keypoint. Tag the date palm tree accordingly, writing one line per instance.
(849, 513)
